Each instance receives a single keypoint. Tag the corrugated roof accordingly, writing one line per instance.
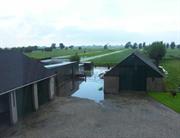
(17, 70)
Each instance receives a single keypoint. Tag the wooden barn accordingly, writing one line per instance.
(25, 84)
(136, 73)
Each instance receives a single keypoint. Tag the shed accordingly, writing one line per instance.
(65, 72)
(136, 73)
(88, 65)
(20, 77)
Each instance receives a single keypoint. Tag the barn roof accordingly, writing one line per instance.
(17, 70)
(144, 59)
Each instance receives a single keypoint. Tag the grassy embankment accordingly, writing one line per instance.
(172, 64)
(167, 99)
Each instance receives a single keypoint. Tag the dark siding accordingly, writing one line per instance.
(43, 92)
(24, 98)
(126, 79)
(4, 110)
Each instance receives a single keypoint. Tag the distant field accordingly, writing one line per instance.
(167, 99)
(172, 80)
(173, 53)
(171, 63)
(111, 59)
(85, 51)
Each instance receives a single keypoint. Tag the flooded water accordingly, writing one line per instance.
(92, 88)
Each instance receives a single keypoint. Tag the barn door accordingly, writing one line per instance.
(4, 110)
(24, 98)
(139, 79)
(126, 79)
(43, 92)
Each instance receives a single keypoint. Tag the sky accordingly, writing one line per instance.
(88, 22)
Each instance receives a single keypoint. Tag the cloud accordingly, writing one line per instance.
(32, 22)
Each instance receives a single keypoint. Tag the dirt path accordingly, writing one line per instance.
(116, 117)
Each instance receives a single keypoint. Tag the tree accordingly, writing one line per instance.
(128, 45)
(48, 49)
(53, 45)
(61, 46)
(71, 47)
(80, 48)
(167, 45)
(172, 45)
(144, 44)
(75, 57)
(28, 49)
(106, 46)
(156, 51)
(134, 46)
(140, 46)
(178, 46)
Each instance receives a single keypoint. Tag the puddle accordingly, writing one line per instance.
(92, 88)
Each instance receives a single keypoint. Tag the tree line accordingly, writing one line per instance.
(29, 49)
(171, 45)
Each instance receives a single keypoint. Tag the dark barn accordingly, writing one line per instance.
(25, 84)
(135, 73)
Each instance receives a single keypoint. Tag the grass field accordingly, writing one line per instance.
(167, 99)
(85, 51)
(173, 54)
(172, 80)
(111, 59)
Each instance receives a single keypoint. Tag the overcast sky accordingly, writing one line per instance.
(79, 22)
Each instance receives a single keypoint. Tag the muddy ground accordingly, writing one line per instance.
(123, 116)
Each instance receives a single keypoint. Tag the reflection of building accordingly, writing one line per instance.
(86, 68)
(89, 73)
(88, 65)
(134, 73)
(68, 87)
(65, 76)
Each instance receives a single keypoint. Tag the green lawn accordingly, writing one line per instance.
(111, 59)
(172, 80)
(167, 99)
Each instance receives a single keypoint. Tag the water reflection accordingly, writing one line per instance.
(92, 88)
(68, 87)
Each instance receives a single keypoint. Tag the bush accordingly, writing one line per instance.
(75, 57)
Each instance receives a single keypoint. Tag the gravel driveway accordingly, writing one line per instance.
(131, 116)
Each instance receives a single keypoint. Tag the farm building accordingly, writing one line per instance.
(65, 78)
(25, 84)
(136, 73)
